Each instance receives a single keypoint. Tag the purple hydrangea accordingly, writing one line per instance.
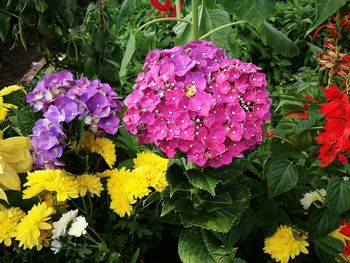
(63, 99)
(196, 100)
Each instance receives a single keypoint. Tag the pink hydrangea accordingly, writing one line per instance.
(195, 100)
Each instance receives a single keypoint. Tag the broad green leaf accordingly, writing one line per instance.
(4, 26)
(330, 245)
(202, 181)
(338, 193)
(304, 125)
(282, 176)
(323, 256)
(41, 5)
(126, 10)
(217, 213)
(130, 49)
(200, 246)
(277, 40)
(324, 10)
(322, 222)
(255, 12)
(183, 30)
(126, 141)
(177, 180)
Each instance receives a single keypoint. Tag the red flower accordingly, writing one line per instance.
(335, 139)
(347, 249)
(305, 114)
(345, 230)
(167, 9)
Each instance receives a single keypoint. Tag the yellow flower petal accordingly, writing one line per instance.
(3, 195)
(7, 90)
(9, 177)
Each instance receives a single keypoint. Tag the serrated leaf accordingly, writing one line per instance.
(338, 192)
(304, 125)
(177, 180)
(282, 176)
(202, 181)
(129, 52)
(200, 246)
(322, 222)
(324, 10)
(330, 245)
(255, 12)
(217, 213)
(278, 40)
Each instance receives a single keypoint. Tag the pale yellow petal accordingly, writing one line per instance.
(9, 178)
(3, 195)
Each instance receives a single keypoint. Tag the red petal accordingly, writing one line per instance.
(342, 159)
(167, 5)
(317, 32)
(158, 6)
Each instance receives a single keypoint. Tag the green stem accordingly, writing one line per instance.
(160, 20)
(178, 9)
(195, 33)
(221, 27)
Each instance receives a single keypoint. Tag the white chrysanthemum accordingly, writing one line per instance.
(60, 227)
(78, 227)
(55, 246)
(310, 197)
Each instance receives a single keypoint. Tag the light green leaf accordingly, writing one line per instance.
(277, 40)
(130, 49)
(202, 181)
(255, 12)
(126, 10)
(200, 246)
(282, 176)
(324, 10)
(338, 193)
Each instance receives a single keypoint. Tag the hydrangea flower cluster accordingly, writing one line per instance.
(195, 99)
(62, 99)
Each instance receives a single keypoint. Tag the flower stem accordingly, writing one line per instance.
(178, 9)
(221, 27)
(195, 33)
(160, 20)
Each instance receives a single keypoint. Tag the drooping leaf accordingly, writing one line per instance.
(282, 176)
(199, 246)
(130, 49)
(324, 10)
(322, 222)
(277, 40)
(255, 12)
(126, 10)
(4, 26)
(338, 192)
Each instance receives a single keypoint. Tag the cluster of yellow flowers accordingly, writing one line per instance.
(101, 146)
(62, 183)
(31, 230)
(286, 243)
(126, 186)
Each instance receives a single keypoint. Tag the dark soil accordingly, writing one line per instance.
(14, 64)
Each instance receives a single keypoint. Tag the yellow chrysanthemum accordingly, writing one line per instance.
(59, 181)
(9, 219)
(4, 107)
(15, 158)
(32, 229)
(154, 168)
(101, 146)
(121, 201)
(89, 183)
(137, 184)
(285, 243)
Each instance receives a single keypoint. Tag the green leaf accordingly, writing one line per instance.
(324, 10)
(217, 213)
(322, 222)
(202, 181)
(74, 163)
(338, 193)
(304, 125)
(177, 180)
(99, 41)
(330, 245)
(126, 10)
(255, 12)
(282, 176)
(135, 256)
(4, 26)
(199, 246)
(130, 49)
(277, 40)
(126, 141)
(41, 5)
